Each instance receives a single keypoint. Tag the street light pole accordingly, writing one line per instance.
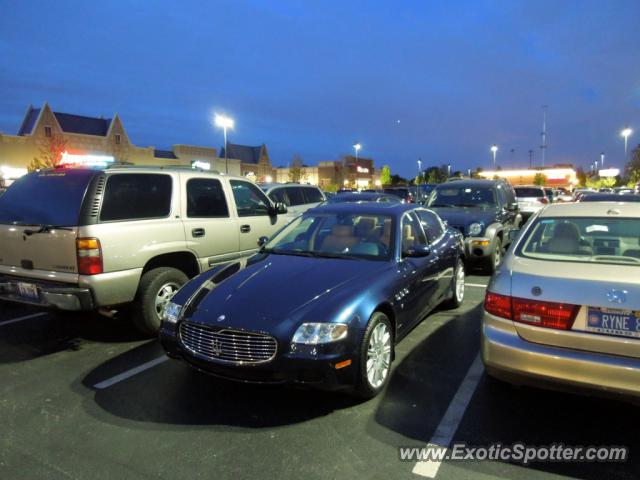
(224, 122)
(419, 170)
(602, 159)
(626, 132)
(494, 150)
(357, 147)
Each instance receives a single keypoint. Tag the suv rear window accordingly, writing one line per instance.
(136, 196)
(46, 198)
(529, 192)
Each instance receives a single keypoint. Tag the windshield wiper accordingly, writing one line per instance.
(46, 229)
(333, 255)
(300, 253)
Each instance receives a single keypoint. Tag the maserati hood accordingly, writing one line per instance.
(263, 293)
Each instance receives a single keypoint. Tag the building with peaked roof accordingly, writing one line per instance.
(94, 137)
(254, 161)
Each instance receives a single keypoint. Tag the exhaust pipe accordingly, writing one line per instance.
(106, 312)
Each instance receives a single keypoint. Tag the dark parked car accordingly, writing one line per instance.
(323, 302)
(402, 192)
(364, 197)
(607, 197)
(484, 211)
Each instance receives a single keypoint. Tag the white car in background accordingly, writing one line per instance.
(531, 198)
(564, 306)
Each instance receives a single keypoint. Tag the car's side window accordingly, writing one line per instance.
(412, 233)
(431, 224)
(136, 196)
(280, 195)
(296, 196)
(502, 197)
(206, 199)
(313, 195)
(250, 200)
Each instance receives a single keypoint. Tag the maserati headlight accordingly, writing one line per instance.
(315, 333)
(475, 229)
(171, 312)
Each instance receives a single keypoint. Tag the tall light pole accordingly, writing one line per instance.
(626, 132)
(494, 150)
(357, 147)
(602, 159)
(224, 122)
(449, 170)
(419, 169)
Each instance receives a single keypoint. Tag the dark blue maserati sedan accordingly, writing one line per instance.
(323, 302)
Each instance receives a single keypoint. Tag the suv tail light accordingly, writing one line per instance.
(543, 200)
(89, 256)
(559, 316)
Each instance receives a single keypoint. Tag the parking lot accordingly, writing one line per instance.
(85, 396)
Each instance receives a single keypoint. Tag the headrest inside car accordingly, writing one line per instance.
(342, 230)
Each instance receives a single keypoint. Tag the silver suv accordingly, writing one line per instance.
(80, 239)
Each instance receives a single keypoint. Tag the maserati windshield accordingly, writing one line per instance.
(335, 236)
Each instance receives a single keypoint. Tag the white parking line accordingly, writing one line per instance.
(477, 285)
(20, 319)
(451, 420)
(130, 373)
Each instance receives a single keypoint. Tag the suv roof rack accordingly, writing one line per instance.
(161, 167)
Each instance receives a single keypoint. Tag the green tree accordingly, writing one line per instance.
(296, 172)
(435, 174)
(581, 176)
(50, 152)
(632, 169)
(539, 179)
(398, 180)
(385, 175)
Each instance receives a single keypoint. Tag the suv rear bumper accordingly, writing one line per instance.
(51, 295)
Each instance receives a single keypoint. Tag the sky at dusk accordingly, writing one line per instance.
(441, 81)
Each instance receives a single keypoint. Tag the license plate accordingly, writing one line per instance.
(28, 290)
(624, 323)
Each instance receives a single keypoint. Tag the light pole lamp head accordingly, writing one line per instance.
(626, 132)
(357, 146)
(223, 121)
(494, 148)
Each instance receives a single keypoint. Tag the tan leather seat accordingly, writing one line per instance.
(408, 237)
(385, 237)
(566, 239)
(340, 239)
(364, 227)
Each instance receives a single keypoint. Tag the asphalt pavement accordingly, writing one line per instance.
(85, 397)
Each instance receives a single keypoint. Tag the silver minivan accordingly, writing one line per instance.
(83, 239)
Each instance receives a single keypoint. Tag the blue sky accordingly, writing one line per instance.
(312, 77)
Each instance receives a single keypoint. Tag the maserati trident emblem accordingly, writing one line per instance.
(221, 318)
(216, 347)
(617, 296)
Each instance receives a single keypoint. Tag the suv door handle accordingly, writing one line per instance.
(197, 232)
(245, 228)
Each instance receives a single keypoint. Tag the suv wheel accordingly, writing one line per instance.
(156, 289)
(376, 353)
